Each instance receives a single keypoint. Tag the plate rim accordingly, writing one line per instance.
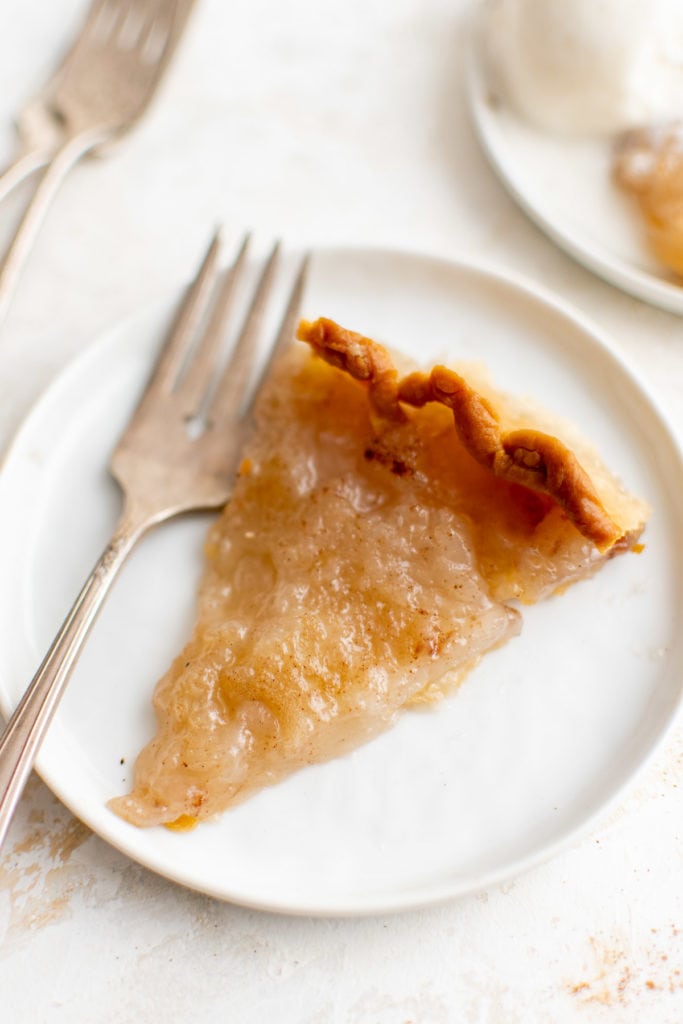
(432, 893)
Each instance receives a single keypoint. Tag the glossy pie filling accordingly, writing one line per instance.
(364, 563)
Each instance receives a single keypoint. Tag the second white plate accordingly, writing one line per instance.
(539, 738)
(564, 184)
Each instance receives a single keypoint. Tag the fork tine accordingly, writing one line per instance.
(117, 12)
(153, 37)
(222, 409)
(232, 384)
(285, 332)
(193, 387)
(131, 27)
(182, 9)
(93, 15)
(161, 32)
(187, 320)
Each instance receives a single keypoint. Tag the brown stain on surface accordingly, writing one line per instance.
(617, 975)
(63, 842)
(37, 873)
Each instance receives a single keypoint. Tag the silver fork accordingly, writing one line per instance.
(177, 454)
(101, 89)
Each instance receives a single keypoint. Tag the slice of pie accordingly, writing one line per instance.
(378, 528)
(648, 165)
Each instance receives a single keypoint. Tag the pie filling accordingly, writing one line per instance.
(378, 528)
(648, 165)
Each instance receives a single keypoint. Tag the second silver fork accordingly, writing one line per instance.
(178, 453)
(101, 89)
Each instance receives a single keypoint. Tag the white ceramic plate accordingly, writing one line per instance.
(539, 738)
(565, 186)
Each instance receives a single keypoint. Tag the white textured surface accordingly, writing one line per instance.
(322, 123)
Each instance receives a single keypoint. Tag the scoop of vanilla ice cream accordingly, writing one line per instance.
(588, 66)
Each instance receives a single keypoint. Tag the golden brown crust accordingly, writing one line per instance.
(360, 357)
(527, 457)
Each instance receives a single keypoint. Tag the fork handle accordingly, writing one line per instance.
(26, 728)
(57, 167)
(23, 165)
